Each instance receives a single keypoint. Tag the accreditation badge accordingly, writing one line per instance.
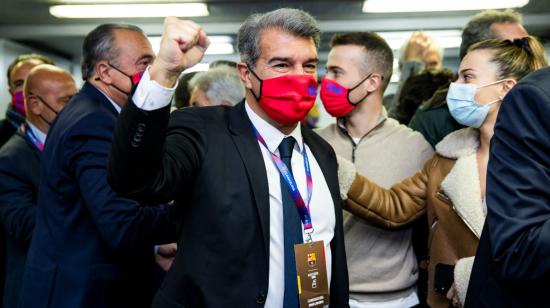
(312, 274)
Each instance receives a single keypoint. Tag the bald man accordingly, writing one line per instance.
(46, 90)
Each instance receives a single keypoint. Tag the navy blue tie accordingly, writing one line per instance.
(292, 229)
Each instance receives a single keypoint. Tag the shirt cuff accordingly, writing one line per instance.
(149, 95)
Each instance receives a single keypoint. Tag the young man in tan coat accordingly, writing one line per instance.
(382, 265)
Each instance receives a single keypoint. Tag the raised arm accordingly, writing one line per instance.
(398, 206)
(151, 160)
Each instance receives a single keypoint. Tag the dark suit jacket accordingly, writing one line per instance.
(512, 266)
(19, 175)
(211, 164)
(90, 247)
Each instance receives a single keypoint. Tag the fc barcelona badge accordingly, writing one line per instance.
(311, 259)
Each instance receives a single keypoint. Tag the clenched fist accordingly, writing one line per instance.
(183, 45)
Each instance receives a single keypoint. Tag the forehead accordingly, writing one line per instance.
(57, 83)
(278, 43)
(131, 44)
(508, 30)
(480, 60)
(22, 69)
(344, 53)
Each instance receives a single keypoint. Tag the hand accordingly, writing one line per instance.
(165, 255)
(183, 45)
(417, 46)
(452, 295)
(346, 175)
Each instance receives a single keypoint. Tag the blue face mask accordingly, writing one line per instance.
(463, 107)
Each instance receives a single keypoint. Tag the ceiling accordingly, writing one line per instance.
(29, 21)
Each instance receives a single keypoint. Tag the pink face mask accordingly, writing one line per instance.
(287, 99)
(335, 97)
(18, 102)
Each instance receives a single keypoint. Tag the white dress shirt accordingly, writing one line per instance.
(37, 133)
(321, 205)
(149, 95)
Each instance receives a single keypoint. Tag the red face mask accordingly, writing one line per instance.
(18, 102)
(287, 99)
(335, 97)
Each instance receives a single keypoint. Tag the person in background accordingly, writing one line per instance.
(182, 95)
(91, 247)
(433, 119)
(419, 88)
(217, 63)
(47, 89)
(228, 171)
(17, 72)
(382, 265)
(451, 186)
(220, 85)
(420, 52)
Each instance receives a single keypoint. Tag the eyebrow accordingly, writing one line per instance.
(466, 69)
(286, 59)
(145, 57)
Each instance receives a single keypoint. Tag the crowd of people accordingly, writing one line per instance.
(150, 187)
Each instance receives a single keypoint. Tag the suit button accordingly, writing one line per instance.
(260, 299)
(141, 127)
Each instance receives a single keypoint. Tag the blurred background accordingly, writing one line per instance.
(57, 28)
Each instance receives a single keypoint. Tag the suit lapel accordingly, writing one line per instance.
(251, 155)
(325, 161)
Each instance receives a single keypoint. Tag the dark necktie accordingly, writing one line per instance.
(292, 229)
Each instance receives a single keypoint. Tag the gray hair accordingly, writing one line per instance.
(219, 84)
(479, 27)
(99, 45)
(293, 21)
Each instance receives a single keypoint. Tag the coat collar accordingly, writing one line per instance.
(459, 143)
(98, 96)
(462, 184)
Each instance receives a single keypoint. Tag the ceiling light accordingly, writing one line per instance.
(395, 6)
(443, 38)
(129, 10)
(219, 45)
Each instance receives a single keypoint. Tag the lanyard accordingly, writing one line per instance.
(32, 137)
(301, 206)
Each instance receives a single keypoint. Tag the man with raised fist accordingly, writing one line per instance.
(256, 193)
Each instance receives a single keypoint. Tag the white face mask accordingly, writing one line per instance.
(463, 107)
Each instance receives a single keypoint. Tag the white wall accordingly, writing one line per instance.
(9, 50)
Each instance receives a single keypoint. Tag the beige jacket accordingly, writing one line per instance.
(381, 262)
(447, 189)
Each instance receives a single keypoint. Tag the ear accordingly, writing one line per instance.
(244, 74)
(507, 85)
(374, 82)
(103, 72)
(33, 104)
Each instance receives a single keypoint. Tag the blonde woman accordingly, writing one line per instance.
(450, 188)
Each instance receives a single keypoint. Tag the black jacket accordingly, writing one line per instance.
(211, 164)
(512, 265)
(19, 175)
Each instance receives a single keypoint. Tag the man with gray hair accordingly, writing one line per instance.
(433, 119)
(90, 246)
(218, 86)
(259, 207)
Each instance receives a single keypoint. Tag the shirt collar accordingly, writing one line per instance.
(37, 133)
(272, 136)
(341, 122)
(117, 107)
